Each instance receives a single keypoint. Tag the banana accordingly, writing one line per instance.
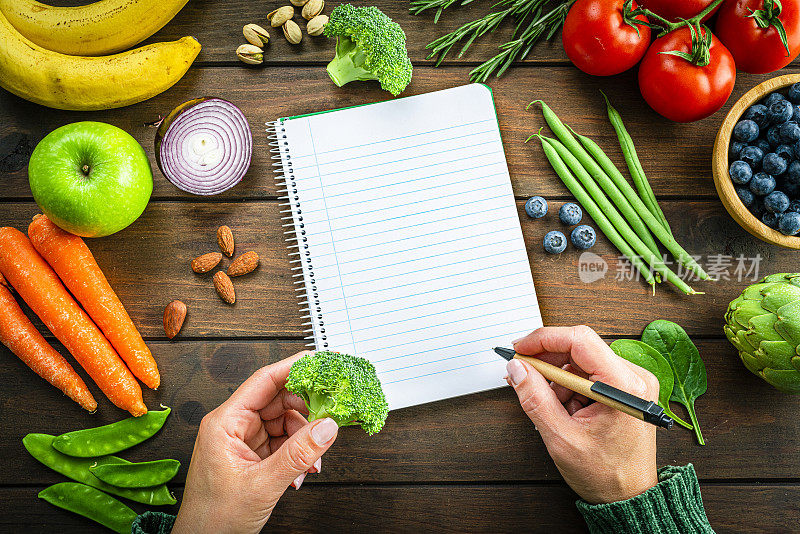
(90, 83)
(97, 29)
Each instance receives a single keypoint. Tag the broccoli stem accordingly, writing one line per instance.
(348, 64)
(317, 406)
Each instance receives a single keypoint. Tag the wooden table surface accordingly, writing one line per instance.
(468, 464)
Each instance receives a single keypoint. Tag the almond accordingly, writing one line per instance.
(174, 315)
(206, 262)
(225, 240)
(246, 263)
(224, 287)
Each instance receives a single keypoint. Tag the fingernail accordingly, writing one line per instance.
(324, 431)
(299, 481)
(516, 372)
(318, 465)
(516, 341)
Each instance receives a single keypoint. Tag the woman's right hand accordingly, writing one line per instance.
(603, 454)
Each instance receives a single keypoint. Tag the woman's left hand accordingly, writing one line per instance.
(248, 452)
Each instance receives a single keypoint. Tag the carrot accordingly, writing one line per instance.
(74, 263)
(40, 287)
(21, 337)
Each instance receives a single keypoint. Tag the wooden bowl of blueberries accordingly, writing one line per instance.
(756, 163)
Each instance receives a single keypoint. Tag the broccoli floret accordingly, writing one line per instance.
(342, 387)
(369, 46)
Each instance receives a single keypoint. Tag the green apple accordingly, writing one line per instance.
(90, 178)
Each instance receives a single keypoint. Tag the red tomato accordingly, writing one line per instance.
(599, 42)
(680, 90)
(756, 50)
(674, 10)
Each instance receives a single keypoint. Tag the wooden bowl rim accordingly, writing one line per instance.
(723, 183)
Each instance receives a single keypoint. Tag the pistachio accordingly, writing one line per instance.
(279, 17)
(316, 25)
(292, 32)
(256, 35)
(250, 54)
(313, 8)
(298, 3)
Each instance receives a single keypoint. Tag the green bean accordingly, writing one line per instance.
(594, 211)
(623, 204)
(92, 504)
(595, 171)
(655, 261)
(111, 438)
(40, 446)
(634, 165)
(136, 475)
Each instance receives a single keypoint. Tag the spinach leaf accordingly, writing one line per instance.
(691, 381)
(645, 356)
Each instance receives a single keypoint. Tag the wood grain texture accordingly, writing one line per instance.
(148, 266)
(435, 508)
(722, 180)
(477, 438)
(676, 157)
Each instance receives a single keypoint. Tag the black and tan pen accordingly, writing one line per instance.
(601, 392)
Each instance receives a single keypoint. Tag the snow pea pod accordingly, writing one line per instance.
(90, 503)
(111, 438)
(136, 475)
(40, 446)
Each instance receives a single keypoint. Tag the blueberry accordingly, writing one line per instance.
(772, 98)
(794, 93)
(774, 136)
(776, 202)
(758, 114)
(570, 213)
(789, 223)
(583, 237)
(795, 113)
(536, 207)
(740, 172)
(555, 242)
(746, 196)
(747, 130)
(734, 150)
(773, 164)
(752, 155)
(762, 184)
(786, 152)
(757, 208)
(780, 111)
(790, 132)
(763, 144)
(793, 173)
(791, 188)
(794, 206)
(770, 219)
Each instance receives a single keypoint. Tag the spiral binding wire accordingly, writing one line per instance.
(297, 242)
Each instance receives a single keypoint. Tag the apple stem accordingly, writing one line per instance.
(85, 170)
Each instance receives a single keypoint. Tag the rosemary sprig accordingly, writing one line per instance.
(529, 14)
(419, 6)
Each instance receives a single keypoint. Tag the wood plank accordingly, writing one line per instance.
(147, 264)
(495, 509)
(218, 27)
(478, 438)
(676, 156)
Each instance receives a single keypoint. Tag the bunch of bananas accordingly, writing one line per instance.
(55, 56)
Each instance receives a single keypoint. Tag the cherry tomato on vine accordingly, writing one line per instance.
(755, 49)
(680, 90)
(599, 41)
(674, 10)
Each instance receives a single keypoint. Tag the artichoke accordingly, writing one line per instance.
(763, 323)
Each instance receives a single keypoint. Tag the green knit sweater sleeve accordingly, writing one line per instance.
(153, 523)
(673, 506)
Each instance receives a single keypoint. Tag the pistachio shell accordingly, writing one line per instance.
(292, 32)
(279, 17)
(256, 35)
(316, 25)
(250, 54)
(313, 8)
(298, 3)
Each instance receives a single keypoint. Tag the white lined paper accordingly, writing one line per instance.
(410, 242)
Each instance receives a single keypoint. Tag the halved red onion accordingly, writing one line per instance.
(204, 146)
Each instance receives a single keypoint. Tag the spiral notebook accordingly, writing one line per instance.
(406, 240)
